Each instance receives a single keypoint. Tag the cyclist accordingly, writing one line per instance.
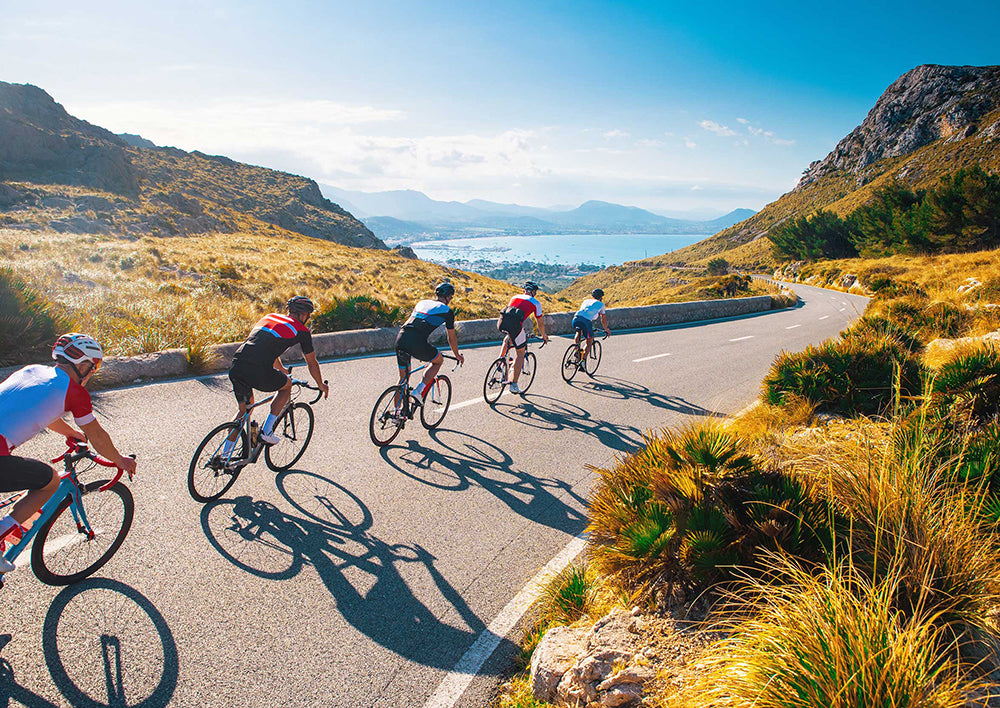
(36, 397)
(427, 316)
(257, 363)
(511, 323)
(583, 320)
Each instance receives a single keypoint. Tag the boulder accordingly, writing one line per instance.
(555, 654)
(847, 281)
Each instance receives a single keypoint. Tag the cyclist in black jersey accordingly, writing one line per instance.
(257, 363)
(427, 316)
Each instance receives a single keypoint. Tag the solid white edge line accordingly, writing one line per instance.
(793, 326)
(647, 358)
(740, 339)
(463, 404)
(451, 688)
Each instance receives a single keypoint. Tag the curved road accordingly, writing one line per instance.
(361, 577)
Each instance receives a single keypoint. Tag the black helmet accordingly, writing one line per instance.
(530, 286)
(444, 290)
(300, 303)
(597, 294)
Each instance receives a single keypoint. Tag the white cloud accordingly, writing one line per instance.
(616, 134)
(742, 121)
(696, 188)
(713, 127)
(690, 144)
(768, 135)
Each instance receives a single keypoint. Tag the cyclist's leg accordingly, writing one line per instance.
(17, 473)
(520, 345)
(403, 365)
(281, 398)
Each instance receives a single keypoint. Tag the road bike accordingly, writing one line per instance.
(573, 358)
(81, 525)
(397, 405)
(214, 470)
(497, 376)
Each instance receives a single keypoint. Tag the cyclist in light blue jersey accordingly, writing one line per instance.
(583, 320)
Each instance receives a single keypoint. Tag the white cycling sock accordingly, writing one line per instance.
(419, 390)
(6, 524)
(269, 424)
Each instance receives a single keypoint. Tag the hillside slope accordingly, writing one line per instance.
(931, 121)
(61, 173)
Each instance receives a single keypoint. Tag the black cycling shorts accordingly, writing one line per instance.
(246, 378)
(411, 342)
(20, 473)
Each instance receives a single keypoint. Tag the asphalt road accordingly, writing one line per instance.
(362, 576)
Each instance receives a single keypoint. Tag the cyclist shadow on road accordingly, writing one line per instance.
(333, 533)
(462, 461)
(615, 388)
(547, 413)
(136, 664)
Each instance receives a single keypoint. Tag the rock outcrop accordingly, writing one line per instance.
(925, 104)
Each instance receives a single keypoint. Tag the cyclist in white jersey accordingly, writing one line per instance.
(411, 341)
(36, 397)
(583, 320)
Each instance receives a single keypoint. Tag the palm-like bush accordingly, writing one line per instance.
(967, 388)
(356, 312)
(692, 505)
(854, 375)
(29, 324)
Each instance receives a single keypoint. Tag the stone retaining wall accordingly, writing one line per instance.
(120, 371)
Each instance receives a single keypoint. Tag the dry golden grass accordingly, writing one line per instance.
(152, 293)
(631, 284)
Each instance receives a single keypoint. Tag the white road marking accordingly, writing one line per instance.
(793, 326)
(451, 688)
(740, 339)
(647, 358)
(463, 404)
(842, 309)
(824, 317)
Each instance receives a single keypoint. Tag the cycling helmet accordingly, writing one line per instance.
(300, 303)
(597, 294)
(76, 348)
(530, 286)
(444, 290)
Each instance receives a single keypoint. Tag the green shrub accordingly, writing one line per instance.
(876, 327)
(692, 505)
(927, 320)
(356, 312)
(29, 324)
(849, 376)
(566, 597)
(718, 266)
(967, 388)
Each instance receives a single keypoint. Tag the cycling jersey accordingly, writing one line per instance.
(36, 396)
(591, 309)
(428, 315)
(527, 305)
(270, 338)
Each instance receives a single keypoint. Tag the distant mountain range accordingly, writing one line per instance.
(409, 214)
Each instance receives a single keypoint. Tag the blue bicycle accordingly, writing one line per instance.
(81, 526)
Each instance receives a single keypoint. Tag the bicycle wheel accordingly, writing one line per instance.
(211, 472)
(63, 554)
(494, 382)
(527, 372)
(570, 362)
(294, 429)
(436, 402)
(594, 359)
(387, 418)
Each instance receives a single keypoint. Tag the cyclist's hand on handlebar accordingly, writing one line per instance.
(127, 464)
(325, 388)
(461, 359)
(545, 339)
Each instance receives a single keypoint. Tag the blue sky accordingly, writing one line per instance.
(667, 106)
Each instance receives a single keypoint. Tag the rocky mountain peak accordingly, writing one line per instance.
(925, 104)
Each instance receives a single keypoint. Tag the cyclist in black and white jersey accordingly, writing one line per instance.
(427, 316)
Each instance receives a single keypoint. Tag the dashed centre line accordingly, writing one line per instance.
(793, 326)
(824, 317)
(463, 404)
(740, 339)
(647, 358)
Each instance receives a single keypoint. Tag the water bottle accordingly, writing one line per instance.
(253, 433)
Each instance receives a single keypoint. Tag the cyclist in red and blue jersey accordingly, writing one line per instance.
(257, 363)
(411, 341)
(36, 397)
(512, 321)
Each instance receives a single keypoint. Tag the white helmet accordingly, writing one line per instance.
(77, 348)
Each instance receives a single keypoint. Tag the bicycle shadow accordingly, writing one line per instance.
(105, 645)
(622, 389)
(464, 460)
(332, 533)
(547, 413)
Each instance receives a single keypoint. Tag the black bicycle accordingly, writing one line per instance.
(498, 375)
(574, 361)
(397, 405)
(214, 468)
